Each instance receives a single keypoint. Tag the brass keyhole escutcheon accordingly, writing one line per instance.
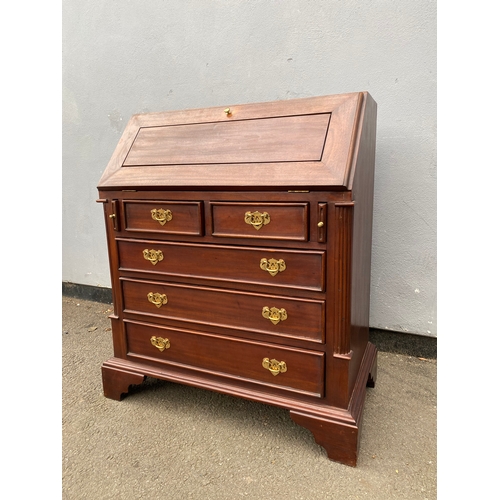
(274, 315)
(154, 256)
(257, 219)
(160, 215)
(160, 343)
(158, 299)
(272, 266)
(274, 366)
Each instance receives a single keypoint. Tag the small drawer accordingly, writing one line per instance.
(171, 217)
(271, 267)
(279, 316)
(274, 221)
(297, 370)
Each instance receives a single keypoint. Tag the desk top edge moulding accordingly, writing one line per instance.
(261, 215)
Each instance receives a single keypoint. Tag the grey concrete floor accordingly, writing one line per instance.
(168, 441)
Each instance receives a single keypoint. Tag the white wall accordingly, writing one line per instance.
(125, 57)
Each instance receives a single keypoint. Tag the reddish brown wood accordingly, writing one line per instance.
(186, 217)
(227, 355)
(342, 269)
(264, 171)
(322, 221)
(340, 433)
(116, 382)
(287, 221)
(227, 309)
(228, 263)
(290, 138)
(308, 164)
(338, 439)
(361, 182)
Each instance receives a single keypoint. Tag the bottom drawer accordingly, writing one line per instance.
(297, 370)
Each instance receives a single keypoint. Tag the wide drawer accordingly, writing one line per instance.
(267, 314)
(277, 221)
(282, 268)
(293, 369)
(171, 217)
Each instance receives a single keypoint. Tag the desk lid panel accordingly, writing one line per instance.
(309, 142)
(289, 138)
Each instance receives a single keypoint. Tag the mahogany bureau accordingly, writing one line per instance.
(239, 247)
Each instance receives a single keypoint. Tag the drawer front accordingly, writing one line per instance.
(278, 221)
(268, 314)
(282, 268)
(163, 217)
(297, 370)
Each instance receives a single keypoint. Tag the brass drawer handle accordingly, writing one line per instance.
(160, 343)
(273, 266)
(158, 299)
(274, 366)
(274, 315)
(154, 256)
(257, 219)
(161, 215)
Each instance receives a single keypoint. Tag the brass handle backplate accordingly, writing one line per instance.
(257, 219)
(161, 215)
(274, 315)
(160, 343)
(274, 366)
(272, 266)
(154, 256)
(158, 299)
